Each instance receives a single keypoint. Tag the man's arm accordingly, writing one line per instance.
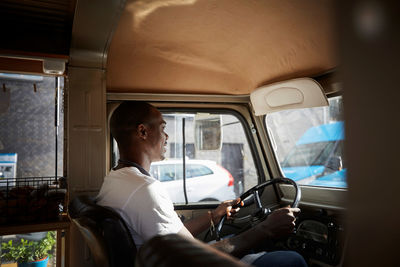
(199, 224)
(185, 232)
(279, 223)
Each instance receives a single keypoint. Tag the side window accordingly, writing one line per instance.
(168, 173)
(214, 173)
(309, 144)
(196, 170)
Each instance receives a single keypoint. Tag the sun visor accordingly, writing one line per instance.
(292, 94)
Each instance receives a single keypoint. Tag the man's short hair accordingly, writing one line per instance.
(127, 117)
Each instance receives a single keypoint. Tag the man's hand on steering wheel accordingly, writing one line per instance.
(280, 222)
(226, 208)
(283, 220)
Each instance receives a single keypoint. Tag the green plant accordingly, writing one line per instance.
(28, 251)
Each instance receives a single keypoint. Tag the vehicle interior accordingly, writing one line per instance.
(249, 90)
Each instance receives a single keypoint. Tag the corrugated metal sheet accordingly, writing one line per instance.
(42, 26)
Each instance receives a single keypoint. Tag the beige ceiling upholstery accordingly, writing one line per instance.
(219, 46)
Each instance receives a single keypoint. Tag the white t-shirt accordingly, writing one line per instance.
(142, 202)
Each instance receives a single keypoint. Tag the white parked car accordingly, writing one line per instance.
(205, 180)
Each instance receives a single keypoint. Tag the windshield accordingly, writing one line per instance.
(309, 144)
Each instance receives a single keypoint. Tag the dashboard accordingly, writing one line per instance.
(319, 237)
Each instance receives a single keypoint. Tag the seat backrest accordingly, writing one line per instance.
(105, 232)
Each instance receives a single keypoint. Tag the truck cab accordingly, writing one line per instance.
(250, 91)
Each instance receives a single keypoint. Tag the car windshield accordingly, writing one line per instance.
(309, 154)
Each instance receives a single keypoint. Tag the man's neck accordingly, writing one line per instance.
(126, 163)
(141, 160)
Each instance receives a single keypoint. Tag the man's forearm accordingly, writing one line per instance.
(239, 245)
(199, 224)
(279, 223)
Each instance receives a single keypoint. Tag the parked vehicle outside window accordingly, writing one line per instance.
(206, 180)
(317, 157)
(310, 144)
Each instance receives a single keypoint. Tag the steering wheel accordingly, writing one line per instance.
(261, 211)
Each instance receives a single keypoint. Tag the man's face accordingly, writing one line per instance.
(157, 137)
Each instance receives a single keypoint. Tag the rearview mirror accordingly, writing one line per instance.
(207, 132)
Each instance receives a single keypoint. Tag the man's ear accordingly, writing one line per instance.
(142, 131)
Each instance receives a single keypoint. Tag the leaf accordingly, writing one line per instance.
(28, 251)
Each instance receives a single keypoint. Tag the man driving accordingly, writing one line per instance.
(138, 128)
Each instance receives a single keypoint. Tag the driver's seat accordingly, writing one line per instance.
(105, 232)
